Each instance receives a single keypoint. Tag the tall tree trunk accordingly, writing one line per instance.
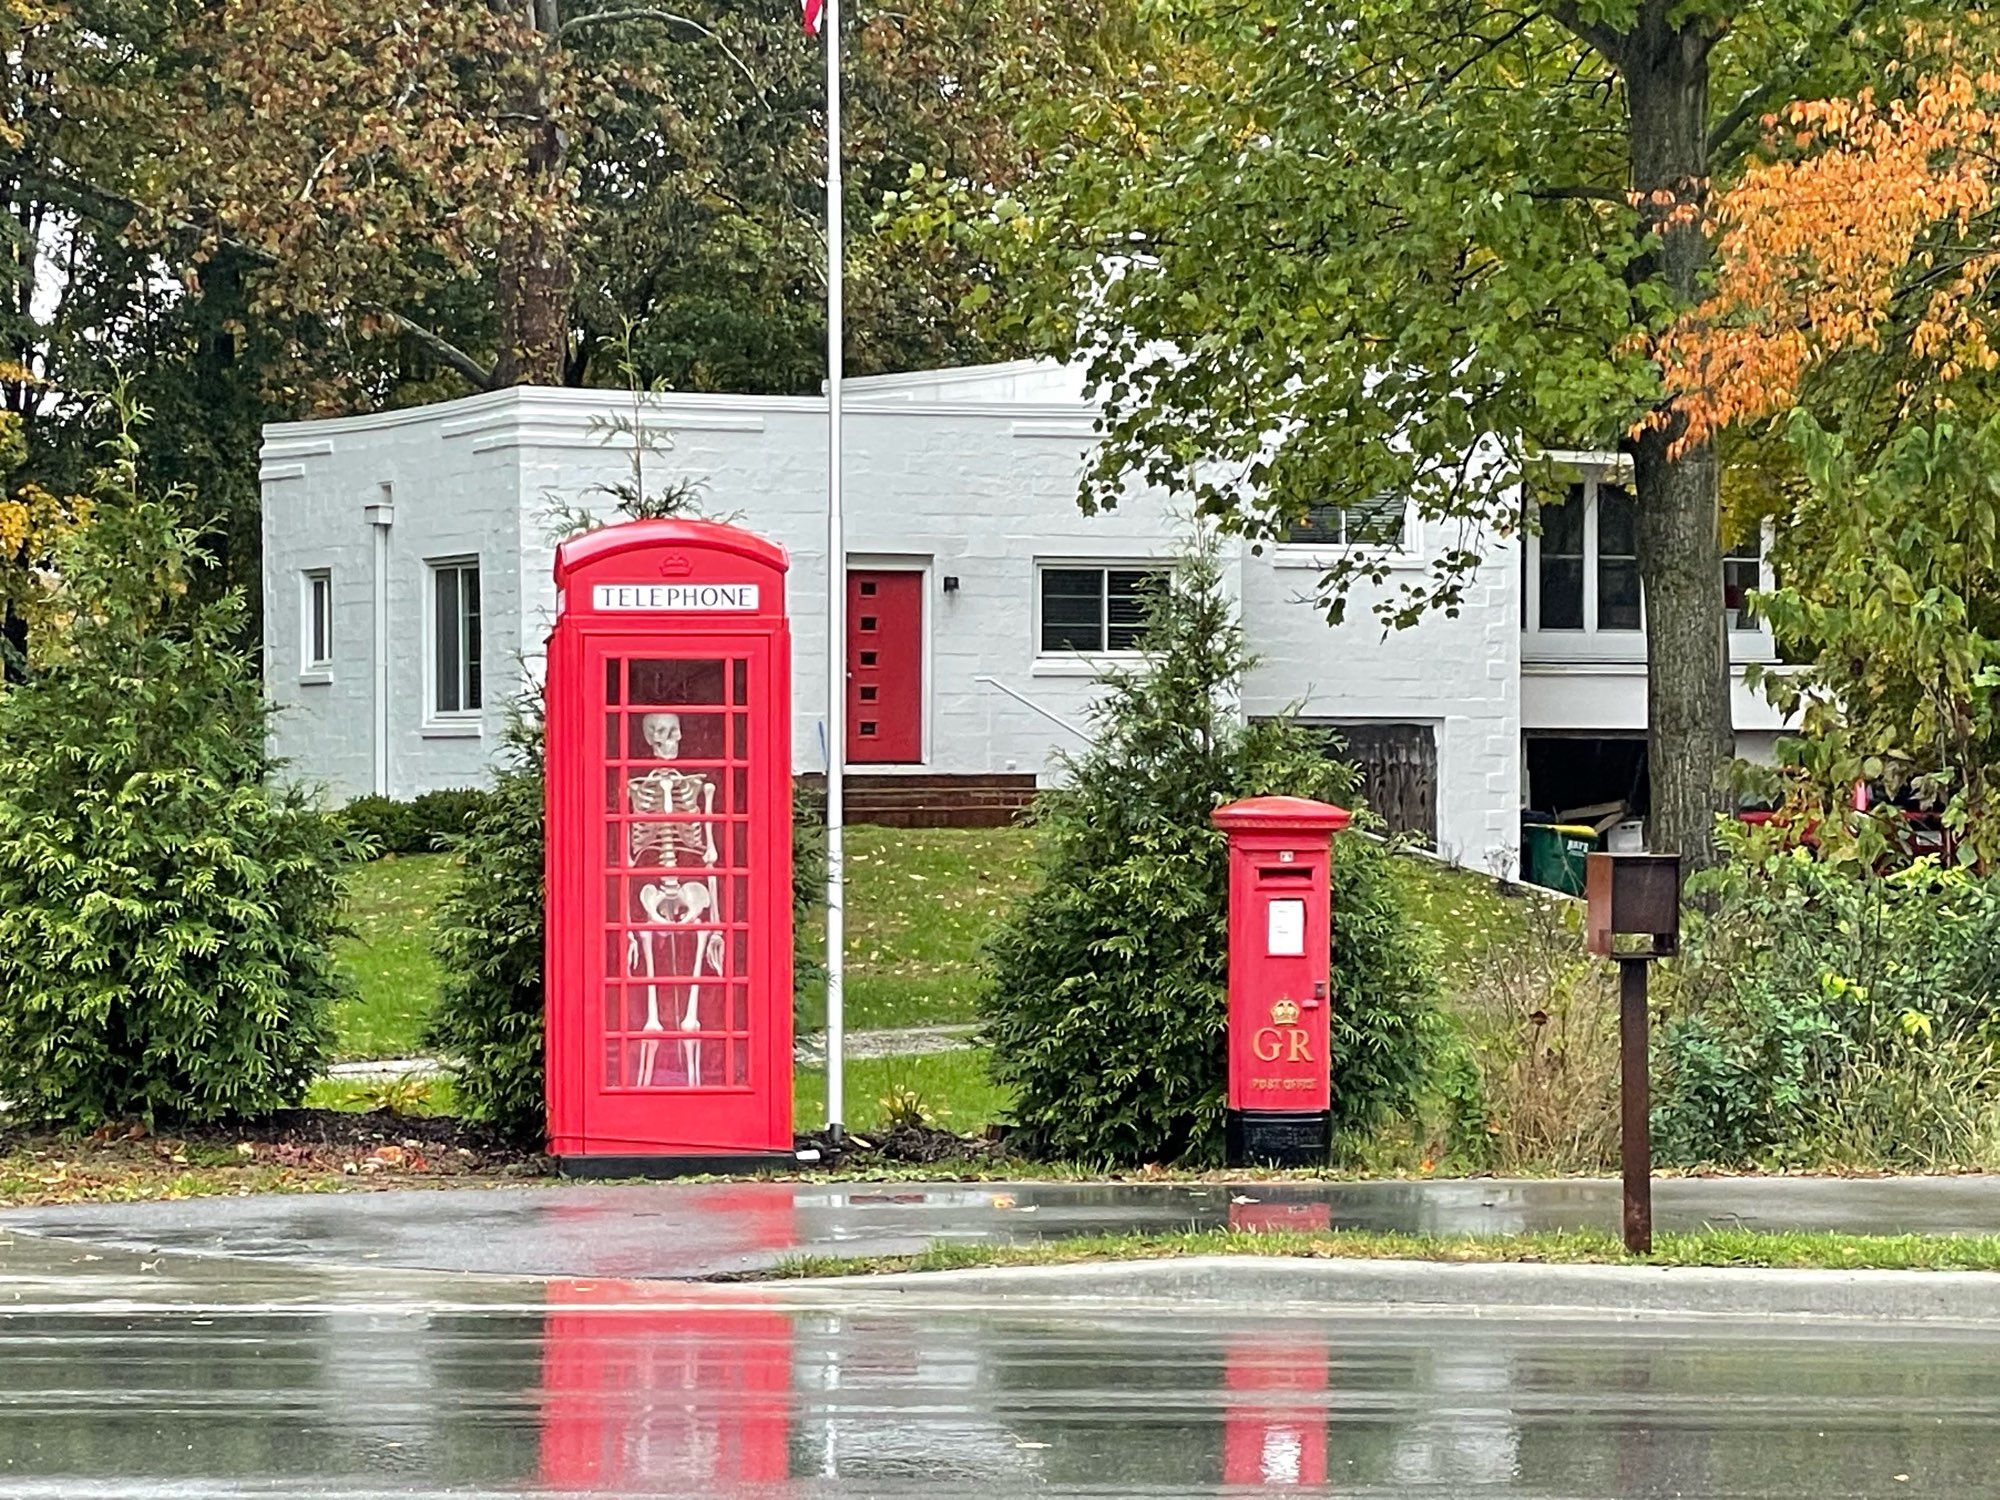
(536, 273)
(1680, 550)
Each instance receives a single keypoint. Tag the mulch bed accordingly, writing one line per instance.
(317, 1149)
(905, 1145)
(311, 1137)
(294, 1142)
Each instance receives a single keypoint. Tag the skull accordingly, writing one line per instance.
(663, 734)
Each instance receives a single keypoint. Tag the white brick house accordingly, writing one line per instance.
(407, 586)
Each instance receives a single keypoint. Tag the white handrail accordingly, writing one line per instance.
(1024, 699)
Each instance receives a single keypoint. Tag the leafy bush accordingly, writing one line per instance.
(1829, 1014)
(488, 1020)
(422, 825)
(166, 916)
(1107, 1008)
(1889, 607)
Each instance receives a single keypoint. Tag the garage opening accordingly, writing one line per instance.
(1596, 781)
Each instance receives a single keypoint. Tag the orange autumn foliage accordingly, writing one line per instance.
(1871, 231)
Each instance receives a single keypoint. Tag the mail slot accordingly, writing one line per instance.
(1280, 1011)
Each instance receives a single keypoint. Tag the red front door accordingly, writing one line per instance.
(885, 667)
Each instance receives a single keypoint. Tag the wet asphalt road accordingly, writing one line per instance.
(687, 1230)
(163, 1376)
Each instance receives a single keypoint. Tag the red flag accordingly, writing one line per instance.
(812, 12)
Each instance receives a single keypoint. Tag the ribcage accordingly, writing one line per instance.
(662, 793)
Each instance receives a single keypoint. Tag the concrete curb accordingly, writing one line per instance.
(1502, 1289)
(387, 1068)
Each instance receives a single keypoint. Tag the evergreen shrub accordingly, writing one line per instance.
(488, 1019)
(422, 824)
(166, 914)
(1106, 1011)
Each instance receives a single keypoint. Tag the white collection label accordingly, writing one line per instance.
(1285, 929)
(674, 596)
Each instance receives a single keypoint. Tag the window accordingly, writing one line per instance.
(1617, 559)
(316, 635)
(1742, 571)
(1583, 567)
(1562, 562)
(455, 688)
(1379, 521)
(1095, 609)
(1586, 561)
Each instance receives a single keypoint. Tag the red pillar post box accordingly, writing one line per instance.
(669, 816)
(1280, 928)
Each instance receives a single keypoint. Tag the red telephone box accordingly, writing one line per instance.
(669, 815)
(1280, 926)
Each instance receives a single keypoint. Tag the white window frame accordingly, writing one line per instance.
(1103, 565)
(315, 584)
(1593, 470)
(461, 718)
(1406, 553)
(1592, 481)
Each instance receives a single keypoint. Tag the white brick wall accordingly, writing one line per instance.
(973, 478)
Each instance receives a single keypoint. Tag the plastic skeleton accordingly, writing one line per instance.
(673, 903)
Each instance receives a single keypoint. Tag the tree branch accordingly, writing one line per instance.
(1753, 101)
(117, 211)
(1601, 37)
(1580, 191)
(440, 348)
(665, 18)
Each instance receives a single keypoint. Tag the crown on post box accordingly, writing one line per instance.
(1285, 1013)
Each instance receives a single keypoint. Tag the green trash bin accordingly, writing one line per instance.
(1553, 854)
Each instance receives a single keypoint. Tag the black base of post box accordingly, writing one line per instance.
(1278, 1138)
(674, 1166)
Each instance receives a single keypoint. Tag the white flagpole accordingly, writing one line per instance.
(836, 604)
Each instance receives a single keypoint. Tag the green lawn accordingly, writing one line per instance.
(1705, 1247)
(1468, 913)
(948, 1089)
(390, 905)
(920, 902)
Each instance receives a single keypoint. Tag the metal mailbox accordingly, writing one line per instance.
(1280, 930)
(1633, 896)
(1634, 916)
(669, 944)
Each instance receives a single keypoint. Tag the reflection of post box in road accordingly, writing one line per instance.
(1280, 930)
